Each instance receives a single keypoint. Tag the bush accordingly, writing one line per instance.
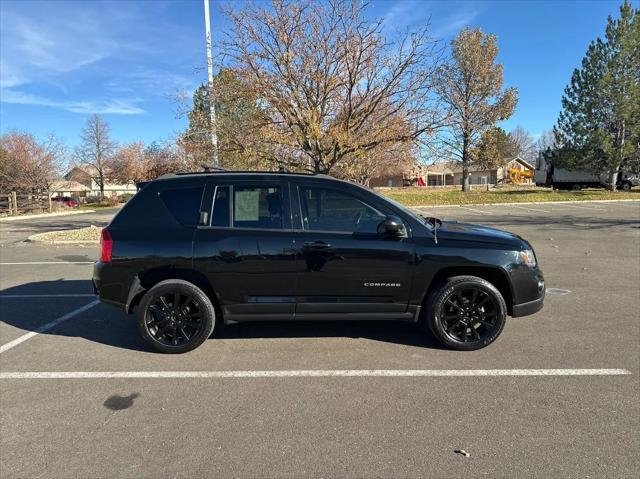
(93, 199)
(110, 201)
(125, 197)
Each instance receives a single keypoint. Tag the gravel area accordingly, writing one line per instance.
(81, 235)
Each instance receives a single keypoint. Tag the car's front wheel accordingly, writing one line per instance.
(175, 316)
(466, 313)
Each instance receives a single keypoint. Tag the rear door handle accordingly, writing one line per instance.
(316, 245)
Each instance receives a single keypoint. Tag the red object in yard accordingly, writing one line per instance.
(106, 246)
(421, 181)
(67, 201)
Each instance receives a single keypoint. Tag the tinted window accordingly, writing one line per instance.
(257, 207)
(331, 210)
(221, 211)
(183, 204)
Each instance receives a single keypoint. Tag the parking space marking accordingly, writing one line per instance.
(17, 296)
(311, 373)
(477, 211)
(46, 262)
(530, 209)
(582, 207)
(46, 327)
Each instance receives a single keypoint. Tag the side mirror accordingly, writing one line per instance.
(392, 225)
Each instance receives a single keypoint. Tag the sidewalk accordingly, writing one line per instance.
(7, 219)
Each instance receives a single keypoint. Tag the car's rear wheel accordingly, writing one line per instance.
(625, 186)
(466, 313)
(175, 316)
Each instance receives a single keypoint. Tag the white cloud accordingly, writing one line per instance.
(34, 48)
(452, 24)
(105, 107)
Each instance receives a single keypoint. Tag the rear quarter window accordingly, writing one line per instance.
(183, 204)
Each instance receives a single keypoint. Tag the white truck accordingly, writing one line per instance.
(565, 179)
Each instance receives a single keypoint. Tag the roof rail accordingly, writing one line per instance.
(212, 169)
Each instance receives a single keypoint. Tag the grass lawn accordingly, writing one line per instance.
(95, 206)
(436, 196)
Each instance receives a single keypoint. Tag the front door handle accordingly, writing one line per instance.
(316, 245)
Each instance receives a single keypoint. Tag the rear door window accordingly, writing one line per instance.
(257, 207)
(183, 204)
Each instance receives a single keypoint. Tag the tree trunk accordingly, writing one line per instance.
(465, 162)
(465, 176)
(613, 179)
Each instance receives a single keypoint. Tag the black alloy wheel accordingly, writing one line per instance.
(176, 316)
(469, 314)
(466, 313)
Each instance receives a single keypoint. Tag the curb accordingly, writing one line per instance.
(7, 219)
(41, 238)
(524, 203)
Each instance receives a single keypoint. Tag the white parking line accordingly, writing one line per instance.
(46, 327)
(477, 211)
(311, 373)
(47, 262)
(530, 209)
(16, 296)
(581, 207)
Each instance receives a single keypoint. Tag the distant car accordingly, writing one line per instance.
(189, 251)
(66, 201)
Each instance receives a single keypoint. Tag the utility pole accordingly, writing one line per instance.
(212, 108)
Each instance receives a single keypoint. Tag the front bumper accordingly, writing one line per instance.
(525, 309)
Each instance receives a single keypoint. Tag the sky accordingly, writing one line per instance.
(127, 60)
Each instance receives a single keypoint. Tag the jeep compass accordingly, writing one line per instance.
(192, 251)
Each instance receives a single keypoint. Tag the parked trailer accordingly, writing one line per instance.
(565, 179)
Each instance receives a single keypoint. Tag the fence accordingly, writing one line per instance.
(18, 204)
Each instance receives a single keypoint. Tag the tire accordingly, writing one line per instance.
(171, 325)
(576, 187)
(455, 323)
(625, 186)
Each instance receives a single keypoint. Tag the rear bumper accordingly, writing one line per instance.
(525, 309)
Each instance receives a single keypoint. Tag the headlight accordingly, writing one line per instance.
(527, 257)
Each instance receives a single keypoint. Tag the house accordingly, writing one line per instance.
(68, 188)
(89, 177)
(515, 171)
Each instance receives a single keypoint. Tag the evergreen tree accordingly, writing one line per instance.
(237, 119)
(599, 126)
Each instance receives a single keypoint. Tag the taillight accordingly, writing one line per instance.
(106, 246)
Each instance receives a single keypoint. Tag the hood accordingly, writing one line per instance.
(452, 230)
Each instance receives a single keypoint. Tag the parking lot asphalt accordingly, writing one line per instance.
(106, 420)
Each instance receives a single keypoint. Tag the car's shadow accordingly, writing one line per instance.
(109, 326)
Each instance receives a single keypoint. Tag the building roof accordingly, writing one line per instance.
(451, 167)
(64, 185)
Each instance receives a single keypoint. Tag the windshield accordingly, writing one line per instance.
(409, 212)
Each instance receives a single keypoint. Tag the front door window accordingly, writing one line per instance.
(330, 210)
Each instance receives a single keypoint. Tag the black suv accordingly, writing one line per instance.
(191, 250)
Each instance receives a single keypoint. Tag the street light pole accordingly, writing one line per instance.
(212, 108)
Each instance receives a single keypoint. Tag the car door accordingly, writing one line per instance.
(346, 267)
(245, 248)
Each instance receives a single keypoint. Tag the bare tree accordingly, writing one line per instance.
(470, 84)
(96, 149)
(523, 144)
(545, 142)
(322, 72)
